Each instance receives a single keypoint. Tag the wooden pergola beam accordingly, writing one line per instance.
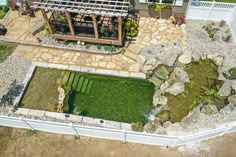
(120, 30)
(95, 27)
(86, 39)
(47, 21)
(70, 23)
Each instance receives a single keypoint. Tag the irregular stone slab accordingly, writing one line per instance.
(161, 72)
(159, 99)
(209, 109)
(170, 57)
(176, 89)
(225, 90)
(157, 82)
(181, 75)
(232, 99)
(186, 57)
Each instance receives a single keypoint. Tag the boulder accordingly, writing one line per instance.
(225, 90)
(186, 57)
(152, 126)
(228, 108)
(164, 86)
(209, 109)
(156, 81)
(176, 89)
(161, 72)
(159, 99)
(232, 99)
(217, 58)
(181, 75)
(166, 124)
(170, 57)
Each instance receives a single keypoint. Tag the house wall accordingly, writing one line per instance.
(143, 9)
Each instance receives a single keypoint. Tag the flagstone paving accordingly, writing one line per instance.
(151, 31)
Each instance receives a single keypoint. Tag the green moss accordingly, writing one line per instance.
(201, 73)
(5, 51)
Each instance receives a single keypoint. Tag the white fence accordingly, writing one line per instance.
(216, 11)
(114, 134)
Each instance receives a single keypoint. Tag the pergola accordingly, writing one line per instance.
(96, 21)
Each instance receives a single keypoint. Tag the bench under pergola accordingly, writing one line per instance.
(85, 19)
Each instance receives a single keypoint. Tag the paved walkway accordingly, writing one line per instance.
(151, 31)
(18, 26)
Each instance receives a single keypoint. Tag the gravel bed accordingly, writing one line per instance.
(201, 46)
(12, 75)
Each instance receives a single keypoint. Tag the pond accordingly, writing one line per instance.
(203, 88)
(106, 97)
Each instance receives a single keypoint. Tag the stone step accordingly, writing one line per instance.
(131, 55)
(161, 72)
(156, 81)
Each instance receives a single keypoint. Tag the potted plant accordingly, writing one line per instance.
(160, 10)
(131, 28)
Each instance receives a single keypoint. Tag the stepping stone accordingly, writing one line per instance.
(89, 88)
(161, 72)
(70, 81)
(130, 55)
(75, 82)
(65, 78)
(80, 84)
(157, 82)
(84, 86)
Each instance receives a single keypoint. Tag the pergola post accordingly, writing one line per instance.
(120, 29)
(47, 21)
(72, 31)
(95, 27)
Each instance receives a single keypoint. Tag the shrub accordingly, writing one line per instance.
(232, 72)
(138, 126)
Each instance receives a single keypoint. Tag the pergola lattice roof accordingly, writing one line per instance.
(98, 7)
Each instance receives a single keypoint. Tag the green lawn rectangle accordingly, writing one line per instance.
(106, 97)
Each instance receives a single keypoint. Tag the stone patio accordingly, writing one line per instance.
(18, 26)
(151, 31)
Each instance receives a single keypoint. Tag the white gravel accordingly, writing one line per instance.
(14, 69)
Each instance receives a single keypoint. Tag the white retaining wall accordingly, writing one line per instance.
(217, 11)
(114, 134)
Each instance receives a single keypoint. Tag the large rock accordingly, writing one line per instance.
(186, 57)
(164, 86)
(161, 72)
(170, 56)
(217, 58)
(225, 90)
(209, 109)
(228, 108)
(181, 75)
(232, 99)
(159, 99)
(176, 89)
(156, 81)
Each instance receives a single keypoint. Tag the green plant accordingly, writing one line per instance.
(87, 46)
(132, 28)
(61, 18)
(76, 137)
(232, 72)
(109, 48)
(99, 47)
(138, 126)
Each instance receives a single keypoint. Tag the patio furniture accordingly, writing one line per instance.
(3, 30)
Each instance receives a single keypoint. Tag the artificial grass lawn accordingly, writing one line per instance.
(5, 51)
(42, 91)
(113, 98)
(105, 97)
(179, 106)
(2, 14)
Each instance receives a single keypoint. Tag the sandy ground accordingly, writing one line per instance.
(24, 143)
